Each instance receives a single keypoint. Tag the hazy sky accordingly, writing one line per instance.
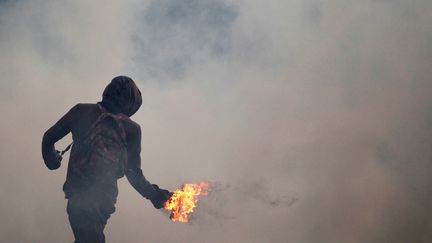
(312, 118)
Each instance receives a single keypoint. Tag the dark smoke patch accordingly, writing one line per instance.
(172, 32)
(312, 11)
(260, 192)
(8, 3)
(50, 46)
(407, 155)
(8, 82)
(216, 208)
(39, 36)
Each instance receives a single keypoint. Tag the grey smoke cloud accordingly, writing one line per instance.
(172, 35)
(313, 117)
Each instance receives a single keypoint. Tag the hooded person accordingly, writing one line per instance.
(93, 169)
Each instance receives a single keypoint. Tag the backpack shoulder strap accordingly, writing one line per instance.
(103, 110)
(117, 117)
(104, 113)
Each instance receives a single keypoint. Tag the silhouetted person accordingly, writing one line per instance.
(106, 146)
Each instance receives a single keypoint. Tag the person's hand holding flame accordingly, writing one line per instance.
(161, 197)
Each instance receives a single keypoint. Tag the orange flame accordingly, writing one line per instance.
(184, 200)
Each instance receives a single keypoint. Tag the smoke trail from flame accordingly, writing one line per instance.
(184, 200)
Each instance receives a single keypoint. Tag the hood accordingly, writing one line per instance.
(122, 96)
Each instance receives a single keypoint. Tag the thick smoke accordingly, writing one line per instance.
(173, 34)
(313, 116)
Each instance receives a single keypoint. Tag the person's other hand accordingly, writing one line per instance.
(57, 161)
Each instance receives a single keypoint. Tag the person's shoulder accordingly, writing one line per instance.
(84, 108)
(132, 125)
(81, 106)
(132, 129)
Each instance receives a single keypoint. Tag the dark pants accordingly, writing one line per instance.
(88, 216)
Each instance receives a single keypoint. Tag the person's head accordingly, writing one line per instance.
(122, 95)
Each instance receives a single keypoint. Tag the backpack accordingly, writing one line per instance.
(103, 151)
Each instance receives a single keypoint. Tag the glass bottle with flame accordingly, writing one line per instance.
(184, 200)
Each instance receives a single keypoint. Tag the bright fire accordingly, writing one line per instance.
(184, 200)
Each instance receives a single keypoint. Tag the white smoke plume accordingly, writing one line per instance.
(313, 116)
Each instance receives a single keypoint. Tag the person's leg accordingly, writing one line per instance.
(85, 221)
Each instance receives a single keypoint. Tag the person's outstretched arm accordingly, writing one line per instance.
(135, 175)
(51, 158)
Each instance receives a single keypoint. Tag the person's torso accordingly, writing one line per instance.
(84, 120)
